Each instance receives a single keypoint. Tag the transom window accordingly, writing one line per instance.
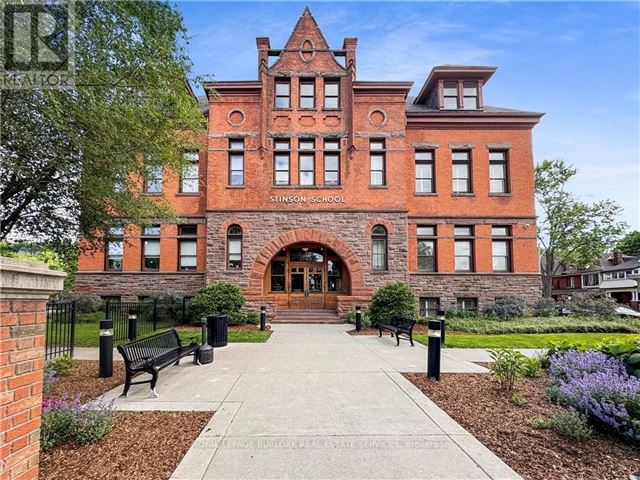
(461, 175)
(283, 93)
(378, 162)
(332, 162)
(190, 173)
(306, 161)
(424, 172)
(234, 247)
(236, 162)
(331, 93)
(379, 248)
(498, 172)
(282, 157)
(151, 230)
(187, 230)
(307, 93)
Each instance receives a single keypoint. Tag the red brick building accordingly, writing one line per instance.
(314, 188)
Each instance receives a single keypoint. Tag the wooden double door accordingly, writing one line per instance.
(307, 286)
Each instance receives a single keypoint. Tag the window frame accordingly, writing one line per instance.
(285, 152)
(380, 236)
(234, 236)
(146, 240)
(464, 96)
(464, 238)
(423, 310)
(462, 301)
(192, 161)
(429, 162)
(468, 179)
(111, 238)
(281, 81)
(330, 152)
(445, 96)
(234, 151)
(504, 162)
(331, 81)
(151, 180)
(505, 238)
(306, 81)
(382, 152)
(309, 153)
(431, 238)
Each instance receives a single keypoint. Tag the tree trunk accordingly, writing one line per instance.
(547, 273)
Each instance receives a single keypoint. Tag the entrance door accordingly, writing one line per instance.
(306, 286)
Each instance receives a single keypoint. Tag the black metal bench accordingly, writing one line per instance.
(152, 354)
(399, 325)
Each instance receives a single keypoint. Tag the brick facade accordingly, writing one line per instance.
(340, 217)
(25, 288)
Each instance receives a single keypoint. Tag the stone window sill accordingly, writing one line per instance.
(187, 194)
(425, 194)
(508, 194)
(235, 187)
(379, 187)
(463, 194)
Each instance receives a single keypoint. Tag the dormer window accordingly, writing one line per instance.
(460, 95)
(470, 95)
(450, 94)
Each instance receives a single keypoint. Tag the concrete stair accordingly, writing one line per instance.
(307, 316)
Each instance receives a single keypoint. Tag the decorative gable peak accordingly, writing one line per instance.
(306, 35)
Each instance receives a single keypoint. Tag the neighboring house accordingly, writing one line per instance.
(613, 273)
(314, 188)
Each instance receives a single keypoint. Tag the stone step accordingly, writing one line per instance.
(307, 316)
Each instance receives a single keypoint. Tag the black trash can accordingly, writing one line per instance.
(217, 326)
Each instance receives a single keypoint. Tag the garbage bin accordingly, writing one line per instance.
(217, 326)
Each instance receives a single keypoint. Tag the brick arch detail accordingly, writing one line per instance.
(224, 226)
(378, 221)
(309, 235)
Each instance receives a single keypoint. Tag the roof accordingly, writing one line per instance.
(450, 72)
(603, 264)
(203, 101)
(417, 108)
(622, 284)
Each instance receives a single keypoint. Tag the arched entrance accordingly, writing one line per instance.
(306, 276)
(306, 268)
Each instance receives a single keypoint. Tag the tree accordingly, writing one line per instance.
(74, 159)
(570, 231)
(630, 244)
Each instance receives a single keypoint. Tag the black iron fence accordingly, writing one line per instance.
(137, 319)
(60, 329)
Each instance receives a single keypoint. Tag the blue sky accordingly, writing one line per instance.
(578, 62)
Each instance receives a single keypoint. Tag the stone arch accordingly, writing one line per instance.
(224, 226)
(379, 221)
(308, 235)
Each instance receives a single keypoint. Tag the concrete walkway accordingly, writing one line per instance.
(315, 402)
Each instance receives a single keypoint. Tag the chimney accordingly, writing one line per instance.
(349, 44)
(263, 45)
(618, 258)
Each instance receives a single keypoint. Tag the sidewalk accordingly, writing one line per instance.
(315, 402)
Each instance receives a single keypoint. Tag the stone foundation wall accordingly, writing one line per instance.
(485, 287)
(131, 285)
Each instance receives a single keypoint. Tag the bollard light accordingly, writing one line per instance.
(263, 318)
(358, 318)
(434, 333)
(133, 327)
(441, 318)
(106, 348)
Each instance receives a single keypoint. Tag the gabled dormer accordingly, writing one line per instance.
(455, 87)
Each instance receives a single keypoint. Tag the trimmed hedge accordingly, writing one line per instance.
(392, 299)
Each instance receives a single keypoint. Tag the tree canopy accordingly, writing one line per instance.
(74, 159)
(570, 231)
(629, 244)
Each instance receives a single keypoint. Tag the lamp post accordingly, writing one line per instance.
(358, 318)
(106, 348)
(263, 318)
(433, 354)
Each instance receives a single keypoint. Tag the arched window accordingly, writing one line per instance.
(379, 248)
(234, 247)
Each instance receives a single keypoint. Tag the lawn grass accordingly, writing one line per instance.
(87, 335)
(544, 340)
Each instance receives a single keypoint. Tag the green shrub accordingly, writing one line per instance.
(506, 308)
(351, 318)
(92, 424)
(395, 298)
(249, 317)
(627, 350)
(453, 312)
(531, 367)
(553, 393)
(84, 303)
(546, 307)
(219, 298)
(506, 367)
(518, 400)
(539, 423)
(570, 424)
(58, 425)
(567, 324)
(62, 366)
(593, 304)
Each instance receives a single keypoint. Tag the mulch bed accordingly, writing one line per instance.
(84, 381)
(486, 412)
(142, 445)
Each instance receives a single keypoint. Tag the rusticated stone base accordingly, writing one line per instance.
(484, 287)
(129, 286)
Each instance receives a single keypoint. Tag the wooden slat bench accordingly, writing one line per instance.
(399, 325)
(152, 354)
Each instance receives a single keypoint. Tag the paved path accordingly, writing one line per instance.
(315, 402)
